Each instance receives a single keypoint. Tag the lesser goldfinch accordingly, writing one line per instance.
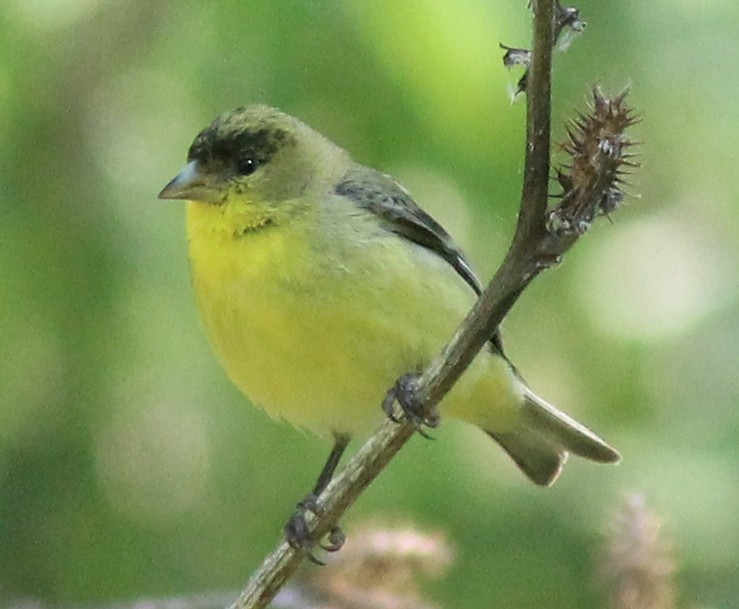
(321, 281)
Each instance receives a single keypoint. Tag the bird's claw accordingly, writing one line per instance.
(404, 392)
(334, 540)
(299, 535)
(297, 532)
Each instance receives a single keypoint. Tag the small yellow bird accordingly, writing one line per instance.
(321, 282)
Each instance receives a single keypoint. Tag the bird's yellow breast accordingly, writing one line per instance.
(315, 326)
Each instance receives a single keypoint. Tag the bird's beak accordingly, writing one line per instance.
(192, 184)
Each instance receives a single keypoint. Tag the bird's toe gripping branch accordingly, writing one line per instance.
(404, 392)
(299, 535)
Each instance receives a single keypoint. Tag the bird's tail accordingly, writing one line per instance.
(545, 438)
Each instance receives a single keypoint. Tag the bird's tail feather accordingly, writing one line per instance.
(546, 436)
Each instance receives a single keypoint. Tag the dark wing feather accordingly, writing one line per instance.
(400, 214)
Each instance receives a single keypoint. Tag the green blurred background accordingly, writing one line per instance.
(130, 467)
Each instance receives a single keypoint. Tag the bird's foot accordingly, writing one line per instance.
(300, 537)
(404, 392)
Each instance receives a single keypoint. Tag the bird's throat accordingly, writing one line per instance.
(229, 221)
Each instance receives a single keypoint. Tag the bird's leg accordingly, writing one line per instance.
(297, 533)
(404, 392)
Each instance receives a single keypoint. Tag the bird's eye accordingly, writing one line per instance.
(246, 166)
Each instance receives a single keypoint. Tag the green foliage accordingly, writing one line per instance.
(130, 467)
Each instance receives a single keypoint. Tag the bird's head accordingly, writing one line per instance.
(256, 153)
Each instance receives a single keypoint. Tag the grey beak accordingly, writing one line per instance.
(192, 185)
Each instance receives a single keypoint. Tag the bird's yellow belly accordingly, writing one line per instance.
(319, 344)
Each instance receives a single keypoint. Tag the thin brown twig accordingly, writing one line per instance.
(519, 266)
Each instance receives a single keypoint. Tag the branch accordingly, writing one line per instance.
(518, 267)
(591, 184)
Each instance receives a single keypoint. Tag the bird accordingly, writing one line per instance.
(320, 282)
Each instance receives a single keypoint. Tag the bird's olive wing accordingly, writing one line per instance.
(400, 214)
